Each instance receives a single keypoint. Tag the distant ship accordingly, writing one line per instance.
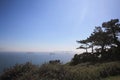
(29, 52)
(52, 53)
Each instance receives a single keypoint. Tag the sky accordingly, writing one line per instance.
(51, 25)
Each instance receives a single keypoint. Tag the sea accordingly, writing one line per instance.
(9, 59)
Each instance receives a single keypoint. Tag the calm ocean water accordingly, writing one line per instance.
(8, 59)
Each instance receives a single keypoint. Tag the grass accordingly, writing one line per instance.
(47, 71)
(113, 78)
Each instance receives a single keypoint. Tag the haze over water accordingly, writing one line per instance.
(8, 59)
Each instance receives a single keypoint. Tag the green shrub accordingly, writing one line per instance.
(109, 69)
(17, 71)
(84, 71)
(52, 71)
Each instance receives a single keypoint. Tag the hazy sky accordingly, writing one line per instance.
(51, 25)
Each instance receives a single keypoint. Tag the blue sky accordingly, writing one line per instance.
(51, 25)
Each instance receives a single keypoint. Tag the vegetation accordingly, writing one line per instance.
(100, 64)
(113, 78)
(104, 42)
(48, 71)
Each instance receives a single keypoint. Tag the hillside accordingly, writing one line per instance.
(58, 71)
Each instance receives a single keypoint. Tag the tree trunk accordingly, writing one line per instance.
(86, 49)
(102, 48)
(92, 48)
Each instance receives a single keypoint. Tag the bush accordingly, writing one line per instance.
(109, 69)
(18, 71)
(50, 71)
